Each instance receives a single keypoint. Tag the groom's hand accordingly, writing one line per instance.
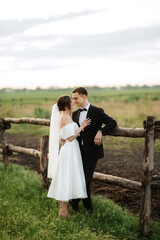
(98, 138)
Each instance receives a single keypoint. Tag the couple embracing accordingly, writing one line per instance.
(71, 168)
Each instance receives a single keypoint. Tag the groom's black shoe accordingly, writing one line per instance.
(87, 202)
(74, 206)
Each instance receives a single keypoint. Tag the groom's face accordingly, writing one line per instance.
(78, 99)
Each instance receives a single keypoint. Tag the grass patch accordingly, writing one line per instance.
(95, 95)
(41, 113)
(26, 213)
(120, 144)
(29, 129)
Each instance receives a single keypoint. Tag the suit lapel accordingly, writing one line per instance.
(89, 113)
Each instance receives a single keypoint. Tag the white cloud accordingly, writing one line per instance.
(105, 42)
(105, 72)
(118, 16)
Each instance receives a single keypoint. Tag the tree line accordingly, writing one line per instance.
(90, 88)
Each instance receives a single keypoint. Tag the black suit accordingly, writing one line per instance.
(91, 152)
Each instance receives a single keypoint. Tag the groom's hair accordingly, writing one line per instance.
(80, 90)
(64, 101)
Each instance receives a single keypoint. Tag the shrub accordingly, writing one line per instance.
(41, 113)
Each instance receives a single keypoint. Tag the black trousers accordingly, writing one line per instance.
(89, 166)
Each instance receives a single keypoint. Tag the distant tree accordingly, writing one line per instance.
(24, 90)
(145, 86)
(38, 89)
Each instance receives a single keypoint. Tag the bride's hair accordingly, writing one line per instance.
(64, 101)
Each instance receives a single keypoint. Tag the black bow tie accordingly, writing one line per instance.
(82, 109)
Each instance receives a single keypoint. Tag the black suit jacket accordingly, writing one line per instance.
(98, 117)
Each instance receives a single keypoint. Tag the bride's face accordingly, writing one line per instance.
(72, 105)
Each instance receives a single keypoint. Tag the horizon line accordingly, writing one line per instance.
(69, 87)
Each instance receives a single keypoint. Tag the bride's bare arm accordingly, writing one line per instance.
(85, 123)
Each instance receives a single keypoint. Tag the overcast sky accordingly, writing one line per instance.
(79, 42)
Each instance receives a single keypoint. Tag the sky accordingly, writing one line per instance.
(67, 43)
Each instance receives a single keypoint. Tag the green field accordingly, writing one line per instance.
(95, 95)
(27, 213)
(129, 107)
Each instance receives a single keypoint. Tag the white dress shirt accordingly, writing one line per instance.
(83, 115)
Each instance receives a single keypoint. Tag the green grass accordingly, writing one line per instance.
(29, 129)
(96, 95)
(26, 213)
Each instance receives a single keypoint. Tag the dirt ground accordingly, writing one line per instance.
(114, 163)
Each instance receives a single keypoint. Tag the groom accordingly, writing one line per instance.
(90, 140)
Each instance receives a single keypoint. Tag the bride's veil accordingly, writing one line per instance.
(53, 142)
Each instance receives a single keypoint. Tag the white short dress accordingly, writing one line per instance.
(69, 182)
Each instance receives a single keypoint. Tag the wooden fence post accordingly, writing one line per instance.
(44, 160)
(148, 161)
(3, 126)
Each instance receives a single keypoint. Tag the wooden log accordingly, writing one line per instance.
(23, 150)
(7, 125)
(123, 182)
(127, 132)
(36, 121)
(157, 134)
(157, 124)
(116, 132)
(156, 177)
(145, 209)
(28, 151)
(4, 124)
(3, 141)
(44, 160)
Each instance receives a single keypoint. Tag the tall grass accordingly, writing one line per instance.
(26, 213)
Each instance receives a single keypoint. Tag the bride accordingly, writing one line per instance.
(65, 165)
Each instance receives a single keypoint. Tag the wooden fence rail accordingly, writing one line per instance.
(35, 121)
(150, 132)
(123, 182)
(28, 151)
(117, 132)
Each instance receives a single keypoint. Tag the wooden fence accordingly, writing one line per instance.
(150, 132)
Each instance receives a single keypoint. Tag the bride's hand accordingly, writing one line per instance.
(86, 122)
(62, 141)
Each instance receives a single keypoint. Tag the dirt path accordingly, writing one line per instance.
(126, 164)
